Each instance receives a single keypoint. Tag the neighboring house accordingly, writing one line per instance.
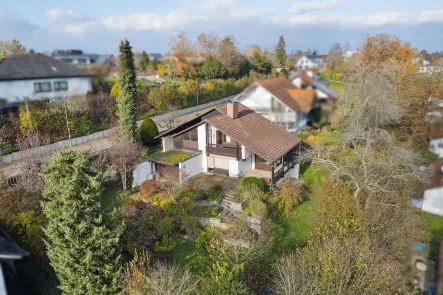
(421, 61)
(430, 69)
(10, 252)
(280, 101)
(75, 57)
(311, 62)
(436, 139)
(110, 65)
(231, 140)
(433, 196)
(309, 80)
(37, 76)
(348, 54)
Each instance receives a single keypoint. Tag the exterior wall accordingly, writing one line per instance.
(191, 167)
(433, 201)
(261, 101)
(142, 172)
(167, 143)
(237, 168)
(436, 146)
(245, 153)
(17, 90)
(201, 133)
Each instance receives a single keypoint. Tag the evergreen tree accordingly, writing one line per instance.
(280, 51)
(128, 96)
(144, 61)
(84, 253)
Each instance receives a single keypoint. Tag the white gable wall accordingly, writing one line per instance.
(264, 103)
(433, 201)
(436, 146)
(17, 90)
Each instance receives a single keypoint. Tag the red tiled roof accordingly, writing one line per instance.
(278, 88)
(304, 98)
(255, 132)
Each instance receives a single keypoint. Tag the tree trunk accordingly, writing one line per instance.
(123, 175)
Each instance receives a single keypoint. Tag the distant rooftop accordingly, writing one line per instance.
(36, 66)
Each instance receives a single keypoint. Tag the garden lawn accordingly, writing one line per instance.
(187, 254)
(337, 86)
(311, 173)
(434, 226)
(296, 227)
(172, 157)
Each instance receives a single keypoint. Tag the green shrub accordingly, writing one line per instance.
(147, 131)
(257, 208)
(251, 188)
(215, 192)
(166, 244)
(255, 180)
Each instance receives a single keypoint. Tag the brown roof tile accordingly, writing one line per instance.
(278, 87)
(255, 132)
(304, 98)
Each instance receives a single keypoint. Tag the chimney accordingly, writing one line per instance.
(232, 109)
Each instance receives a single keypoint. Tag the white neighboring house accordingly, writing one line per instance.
(310, 62)
(75, 57)
(37, 76)
(433, 196)
(280, 101)
(436, 139)
(231, 140)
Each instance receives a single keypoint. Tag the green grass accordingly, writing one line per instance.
(296, 227)
(434, 226)
(187, 254)
(172, 157)
(311, 173)
(337, 86)
(116, 197)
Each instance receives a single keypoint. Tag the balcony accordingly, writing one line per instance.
(226, 150)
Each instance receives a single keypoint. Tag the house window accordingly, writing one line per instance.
(221, 138)
(60, 85)
(259, 159)
(67, 60)
(42, 87)
(82, 61)
(191, 135)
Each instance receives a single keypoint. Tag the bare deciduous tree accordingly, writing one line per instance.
(144, 277)
(334, 58)
(337, 267)
(124, 155)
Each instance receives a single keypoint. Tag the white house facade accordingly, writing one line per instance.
(310, 62)
(433, 196)
(36, 76)
(17, 90)
(233, 140)
(273, 100)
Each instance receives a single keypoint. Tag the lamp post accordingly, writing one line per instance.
(198, 90)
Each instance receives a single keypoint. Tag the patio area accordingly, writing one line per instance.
(205, 181)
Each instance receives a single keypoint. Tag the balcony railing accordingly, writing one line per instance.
(226, 150)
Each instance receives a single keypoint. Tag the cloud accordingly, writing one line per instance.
(220, 14)
(10, 22)
(305, 6)
(66, 16)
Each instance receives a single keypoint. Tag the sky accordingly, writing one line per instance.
(98, 26)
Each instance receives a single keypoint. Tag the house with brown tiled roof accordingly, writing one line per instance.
(281, 102)
(309, 80)
(231, 140)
